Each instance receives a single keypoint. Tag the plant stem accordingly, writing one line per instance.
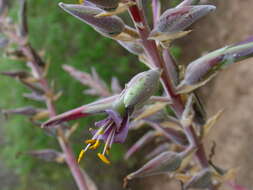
(156, 59)
(36, 65)
(65, 146)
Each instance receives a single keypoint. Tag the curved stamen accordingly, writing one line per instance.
(94, 143)
(107, 147)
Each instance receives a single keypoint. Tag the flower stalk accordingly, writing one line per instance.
(177, 103)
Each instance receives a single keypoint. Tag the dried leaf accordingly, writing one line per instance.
(150, 110)
(211, 122)
(43, 114)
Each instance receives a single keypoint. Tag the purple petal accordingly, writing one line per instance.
(102, 122)
(115, 117)
(104, 136)
(120, 136)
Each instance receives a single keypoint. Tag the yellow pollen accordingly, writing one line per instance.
(81, 1)
(95, 145)
(103, 158)
(81, 155)
(90, 141)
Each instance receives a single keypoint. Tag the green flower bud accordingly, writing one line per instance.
(141, 87)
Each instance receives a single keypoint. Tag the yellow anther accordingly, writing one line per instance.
(90, 141)
(95, 145)
(81, 155)
(81, 1)
(103, 158)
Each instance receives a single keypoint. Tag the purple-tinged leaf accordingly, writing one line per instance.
(148, 137)
(165, 162)
(34, 96)
(48, 155)
(97, 86)
(203, 180)
(176, 20)
(110, 26)
(206, 67)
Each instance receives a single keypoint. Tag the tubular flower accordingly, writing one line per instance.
(114, 128)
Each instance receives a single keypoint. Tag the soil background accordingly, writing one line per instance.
(232, 90)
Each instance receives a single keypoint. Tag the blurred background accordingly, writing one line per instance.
(65, 40)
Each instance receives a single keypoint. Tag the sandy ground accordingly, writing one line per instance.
(231, 90)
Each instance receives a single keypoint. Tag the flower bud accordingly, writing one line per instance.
(203, 69)
(141, 87)
(177, 19)
(108, 26)
(165, 162)
(202, 180)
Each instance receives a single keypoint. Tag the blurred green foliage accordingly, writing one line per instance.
(65, 40)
